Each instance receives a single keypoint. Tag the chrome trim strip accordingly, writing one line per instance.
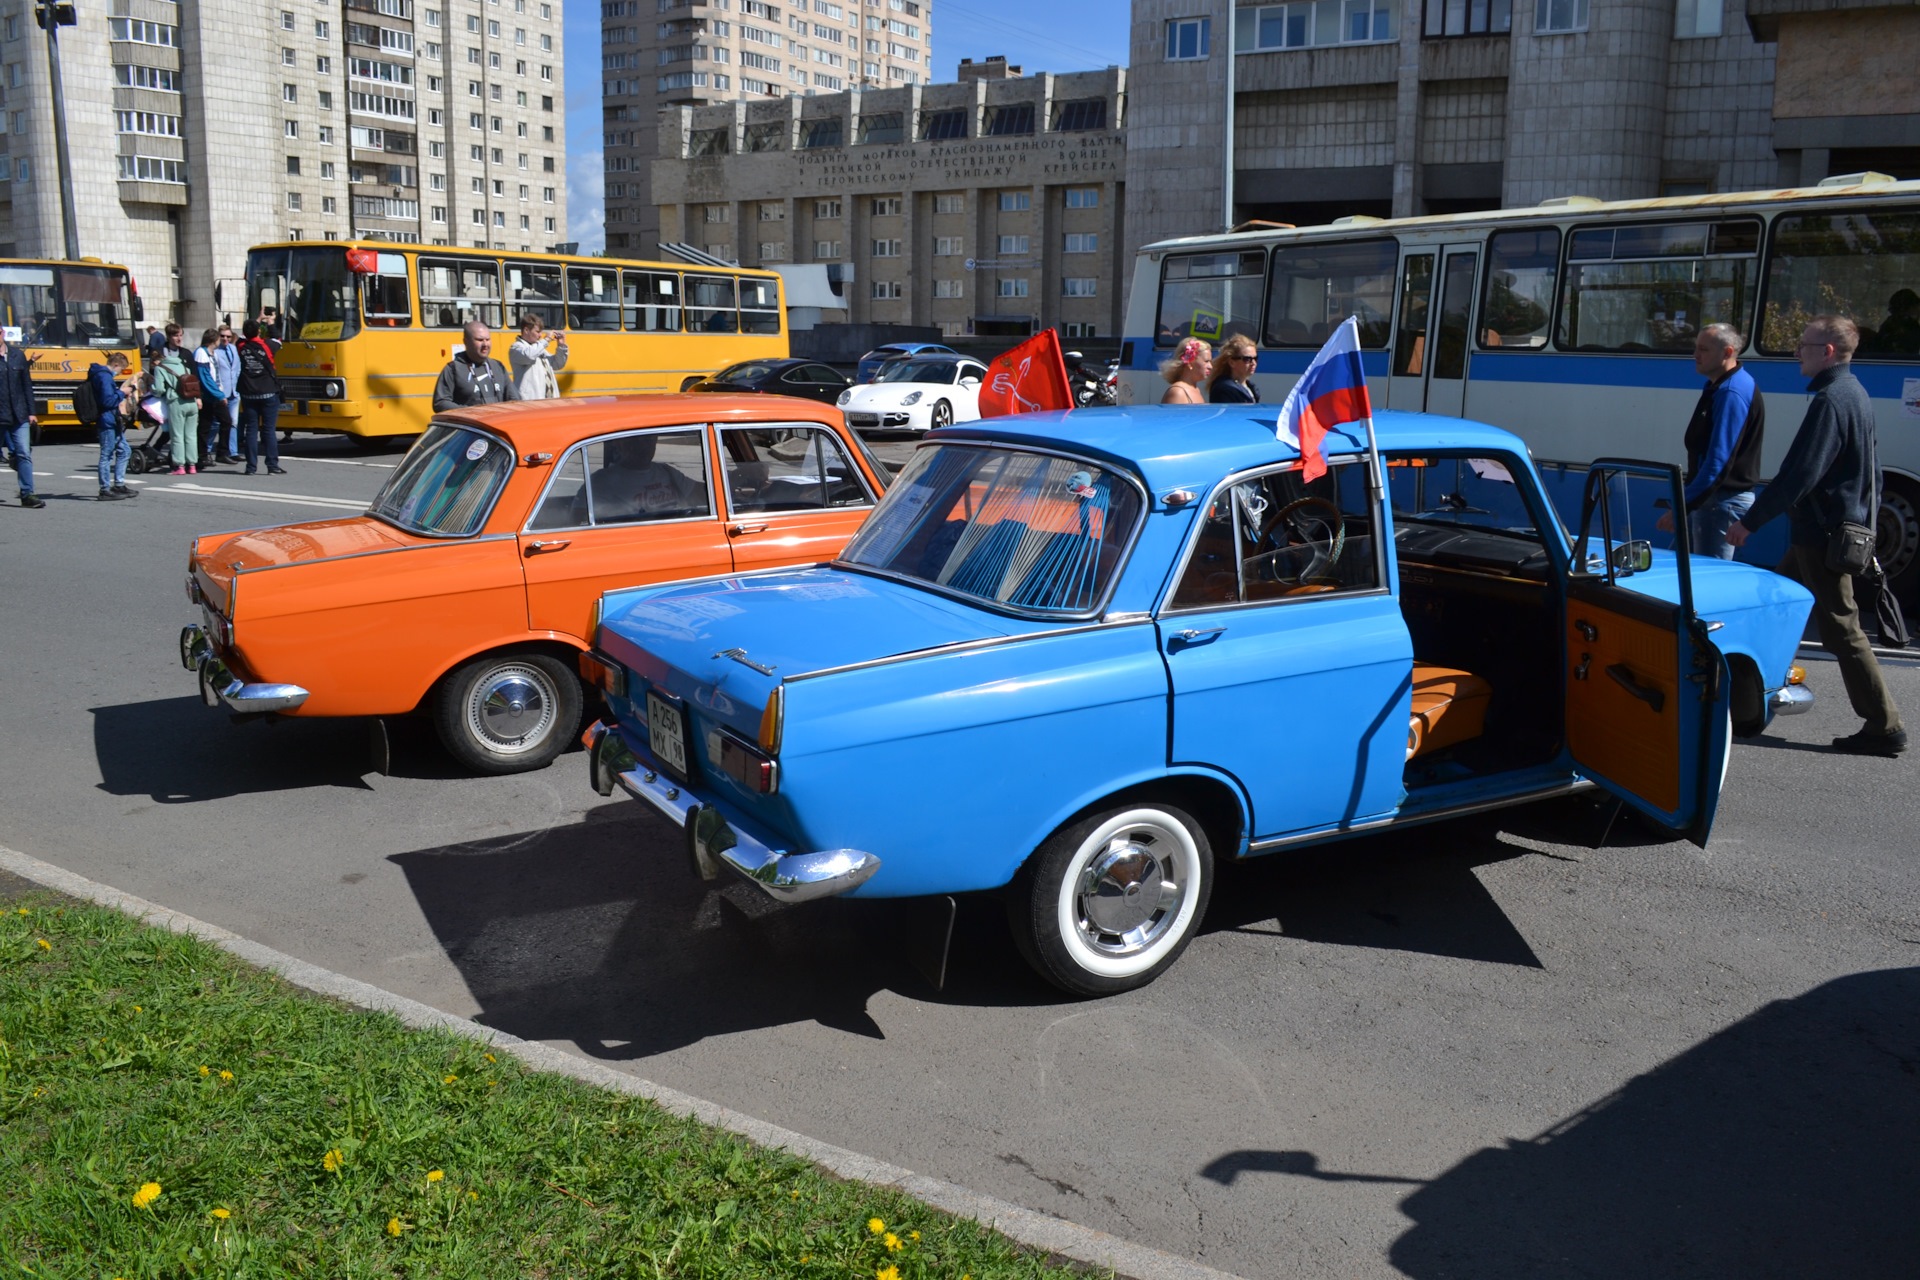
(1790, 700)
(1572, 787)
(969, 646)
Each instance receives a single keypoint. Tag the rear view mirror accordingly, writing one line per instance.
(1633, 557)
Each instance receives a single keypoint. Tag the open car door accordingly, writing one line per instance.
(1646, 689)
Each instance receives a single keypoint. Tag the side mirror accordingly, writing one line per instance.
(969, 381)
(1633, 557)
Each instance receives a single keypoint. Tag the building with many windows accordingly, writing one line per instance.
(1407, 107)
(992, 207)
(198, 129)
(689, 53)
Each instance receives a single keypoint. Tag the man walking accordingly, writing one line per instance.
(226, 357)
(1831, 476)
(111, 402)
(259, 401)
(17, 418)
(156, 344)
(1723, 443)
(214, 392)
(473, 376)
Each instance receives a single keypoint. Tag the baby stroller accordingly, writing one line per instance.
(152, 453)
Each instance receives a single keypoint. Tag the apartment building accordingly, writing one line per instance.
(657, 54)
(991, 208)
(199, 129)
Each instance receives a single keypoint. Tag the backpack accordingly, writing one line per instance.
(86, 402)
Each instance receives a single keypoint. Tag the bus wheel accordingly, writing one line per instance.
(508, 712)
(1898, 546)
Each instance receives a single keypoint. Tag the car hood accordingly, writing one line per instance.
(220, 559)
(888, 395)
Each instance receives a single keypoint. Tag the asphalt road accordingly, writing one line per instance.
(1480, 1049)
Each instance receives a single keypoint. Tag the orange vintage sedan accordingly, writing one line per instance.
(469, 588)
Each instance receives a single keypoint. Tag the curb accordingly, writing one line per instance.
(1035, 1230)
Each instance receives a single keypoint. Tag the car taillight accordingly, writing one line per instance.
(602, 672)
(743, 762)
(773, 721)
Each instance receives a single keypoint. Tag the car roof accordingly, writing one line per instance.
(552, 425)
(1193, 446)
(907, 348)
(777, 362)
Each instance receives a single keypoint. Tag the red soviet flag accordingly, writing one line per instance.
(1031, 376)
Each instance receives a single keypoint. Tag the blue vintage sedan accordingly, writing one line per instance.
(1081, 657)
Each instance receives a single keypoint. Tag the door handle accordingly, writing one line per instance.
(735, 530)
(1191, 634)
(1623, 677)
(559, 544)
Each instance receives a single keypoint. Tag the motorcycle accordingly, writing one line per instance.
(1093, 383)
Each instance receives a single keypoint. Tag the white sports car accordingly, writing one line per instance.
(916, 395)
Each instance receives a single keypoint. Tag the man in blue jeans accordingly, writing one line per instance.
(17, 418)
(112, 426)
(1723, 443)
(259, 400)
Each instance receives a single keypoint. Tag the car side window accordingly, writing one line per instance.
(1277, 536)
(789, 469)
(629, 479)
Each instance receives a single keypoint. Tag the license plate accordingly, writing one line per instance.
(62, 406)
(667, 734)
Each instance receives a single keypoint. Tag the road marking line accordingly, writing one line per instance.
(1036, 1230)
(338, 462)
(291, 499)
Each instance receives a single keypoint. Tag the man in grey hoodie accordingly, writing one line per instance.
(473, 376)
(1831, 475)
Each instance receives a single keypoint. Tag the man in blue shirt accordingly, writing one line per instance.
(1723, 443)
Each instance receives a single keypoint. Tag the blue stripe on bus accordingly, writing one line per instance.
(1676, 373)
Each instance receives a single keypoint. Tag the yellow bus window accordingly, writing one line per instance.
(533, 288)
(651, 300)
(710, 305)
(759, 305)
(454, 291)
(592, 304)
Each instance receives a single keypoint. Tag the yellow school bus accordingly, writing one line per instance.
(367, 326)
(66, 316)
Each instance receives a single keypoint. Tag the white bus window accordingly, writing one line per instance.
(1317, 286)
(651, 300)
(1518, 306)
(1653, 287)
(1210, 296)
(1416, 294)
(593, 303)
(1862, 264)
(533, 288)
(456, 291)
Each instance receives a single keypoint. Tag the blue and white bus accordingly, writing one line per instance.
(1572, 324)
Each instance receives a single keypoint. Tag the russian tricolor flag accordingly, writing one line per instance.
(1331, 393)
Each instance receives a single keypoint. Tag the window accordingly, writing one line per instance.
(524, 191)
(1083, 330)
(885, 289)
(549, 222)
(1080, 242)
(789, 469)
(628, 479)
(546, 195)
(773, 251)
(826, 248)
(886, 206)
(952, 203)
(1517, 302)
(1652, 287)
(1014, 201)
(773, 211)
(135, 77)
(1316, 286)
(826, 208)
(1550, 16)
(1014, 119)
(134, 169)
(947, 246)
(1080, 115)
(293, 201)
(716, 213)
(292, 128)
(293, 162)
(1471, 17)
(150, 122)
(286, 20)
(649, 300)
(1696, 18)
(764, 137)
(1010, 289)
(289, 93)
(708, 142)
(288, 58)
(534, 289)
(439, 213)
(949, 289)
(499, 187)
(327, 173)
(454, 291)
(1860, 263)
(886, 248)
(1188, 38)
(992, 560)
(326, 100)
(882, 128)
(326, 135)
(1209, 296)
(710, 305)
(1078, 287)
(1247, 554)
(1013, 244)
(1328, 22)
(446, 483)
(139, 31)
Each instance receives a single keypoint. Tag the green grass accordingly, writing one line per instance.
(130, 1055)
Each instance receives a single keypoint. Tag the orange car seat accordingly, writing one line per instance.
(1448, 706)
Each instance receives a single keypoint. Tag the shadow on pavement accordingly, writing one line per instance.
(598, 933)
(1786, 1145)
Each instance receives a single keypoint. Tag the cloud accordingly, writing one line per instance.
(586, 200)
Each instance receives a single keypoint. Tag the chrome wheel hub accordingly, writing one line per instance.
(512, 708)
(1129, 893)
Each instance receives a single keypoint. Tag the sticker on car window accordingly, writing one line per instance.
(476, 451)
(1488, 469)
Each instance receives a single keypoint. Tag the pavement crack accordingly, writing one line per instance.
(1065, 1188)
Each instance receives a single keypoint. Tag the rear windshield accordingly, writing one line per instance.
(746, 372)
(447, 483)
(1032, 532)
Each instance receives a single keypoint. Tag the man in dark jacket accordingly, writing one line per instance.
(17, 419)
(473, 376)
(1831, 475)
(259, 400)
(104, 379)
(1723, 443)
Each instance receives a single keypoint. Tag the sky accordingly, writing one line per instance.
(1073, 35)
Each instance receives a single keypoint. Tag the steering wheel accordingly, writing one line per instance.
(1301, 518)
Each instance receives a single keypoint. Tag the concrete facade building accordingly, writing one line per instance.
(1408, 107)
(990, 207)
(198, 129)
(692, 53)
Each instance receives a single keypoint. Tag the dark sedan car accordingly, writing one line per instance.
(807, 378)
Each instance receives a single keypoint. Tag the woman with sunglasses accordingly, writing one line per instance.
(1233, 372)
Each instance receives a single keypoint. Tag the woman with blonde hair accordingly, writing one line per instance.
(1232, 381)
(1191, 363)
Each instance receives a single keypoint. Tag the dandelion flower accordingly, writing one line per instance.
(449, 1079)
(892, 1242)
(222, 1214)
(146, 1195)
(395, 1226)
(205, 1071)
(490, 1058)
(137, 1009)
(434, 1175)
(887, 1273)
(45, 945)
(25, 912)
(332, 1161)
(876, 1226)
(914, 1236)
(226, 1075)
(473, 1195)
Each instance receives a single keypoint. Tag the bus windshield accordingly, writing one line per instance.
(58, 305)
(305, 293)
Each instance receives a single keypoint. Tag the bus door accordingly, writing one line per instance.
(1429, 371)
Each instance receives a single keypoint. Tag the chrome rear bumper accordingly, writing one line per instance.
(1789, 701)
(219, 686)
